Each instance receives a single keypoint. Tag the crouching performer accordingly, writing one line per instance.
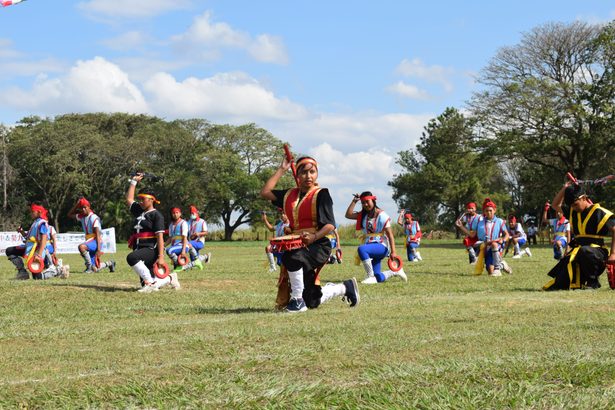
(587, 255)
(309, 209)
(379, 240)
(90, 250)
(35, 249)
(147, 241)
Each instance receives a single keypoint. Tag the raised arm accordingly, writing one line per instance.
(267, 190)
(267, 223)
(350, 213)
(130, 194)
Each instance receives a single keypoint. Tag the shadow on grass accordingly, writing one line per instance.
(235, 311)
(100, 288)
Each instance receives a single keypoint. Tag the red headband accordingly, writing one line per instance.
(175, 209)
(306, 161)
(193, 210)
(366, 197)
(38, 208)
(470, 205)
(512, 220)
(82, 202)
(408, 215)
(488, 203)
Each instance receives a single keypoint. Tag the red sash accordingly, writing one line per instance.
(132, 241)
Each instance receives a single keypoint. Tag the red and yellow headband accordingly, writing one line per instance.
(152, 197)
(305, 161)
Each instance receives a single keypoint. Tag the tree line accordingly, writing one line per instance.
(544, 107)
(218, 168)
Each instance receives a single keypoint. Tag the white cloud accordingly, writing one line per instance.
(415, 68)
(15, 64)
(132, 8)
(234, 97)
(354, 131)
(347, 173)
(126, 41)
(408, 91)
(208, 37)
(90, 86)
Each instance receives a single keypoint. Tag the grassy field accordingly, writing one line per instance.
(445, 339)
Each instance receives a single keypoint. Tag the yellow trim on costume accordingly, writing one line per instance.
(589, 215)
(177, 237)
(33, 250)
(606, 217)
(480, 260)
(90, 236)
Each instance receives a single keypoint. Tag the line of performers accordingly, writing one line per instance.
(307, 215)
(578, 241)
(185, 240)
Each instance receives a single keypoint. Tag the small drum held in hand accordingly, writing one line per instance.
(36, 265)
(161, 271)
(395, 263)
(286, 243)
(182, 260)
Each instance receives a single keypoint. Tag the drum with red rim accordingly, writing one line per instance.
(161, 271)
(36, 264)
(395, 263)
(286, 243)
(182, 260)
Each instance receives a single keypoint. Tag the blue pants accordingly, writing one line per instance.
(92, 247)
(175, 249)
(197, 245)
(556, 253)
(376, 252)
(409, 247)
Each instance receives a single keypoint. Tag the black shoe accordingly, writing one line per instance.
(296, 306)
(352, 292)
(111, 266)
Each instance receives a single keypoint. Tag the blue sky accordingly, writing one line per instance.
(350, 82)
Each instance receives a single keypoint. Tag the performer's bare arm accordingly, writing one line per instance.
(267, 223)
(98, 241)
(130, 194)
(400, 218)
(612, 255)
(389, 233)
(559, 199)
(337, 239)
(350, 213)
(160, 240)
(308, 237)
(266, 191)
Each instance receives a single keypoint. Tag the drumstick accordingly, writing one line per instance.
(571, 178)
(289, 158)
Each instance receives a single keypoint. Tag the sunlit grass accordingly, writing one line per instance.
(446, 339)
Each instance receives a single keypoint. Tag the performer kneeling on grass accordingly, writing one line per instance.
(90, 250)
(582, 265)
(309, 209)
(37, 239)
(147, 240)
(413, 233)
(491, 234)
(379, 240)
(465, 223)
(561, 232)
(518, 238)
(197, 231)
(278, 230)
(178, 241)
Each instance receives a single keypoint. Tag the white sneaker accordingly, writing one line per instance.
(415, 260)
(370, 280)
(518, 256)
(496, 272)
(401, 274)
(161, 283)
(64, 271)
(418, 256)
(506, 268)
(175, 281)
(527, 252)
(208, 257)
(272, 268)
(148, 288)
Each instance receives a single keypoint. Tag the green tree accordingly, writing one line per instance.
(238, 162)
(550, 100)
(444, 172)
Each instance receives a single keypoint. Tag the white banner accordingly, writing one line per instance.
(67, 242)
